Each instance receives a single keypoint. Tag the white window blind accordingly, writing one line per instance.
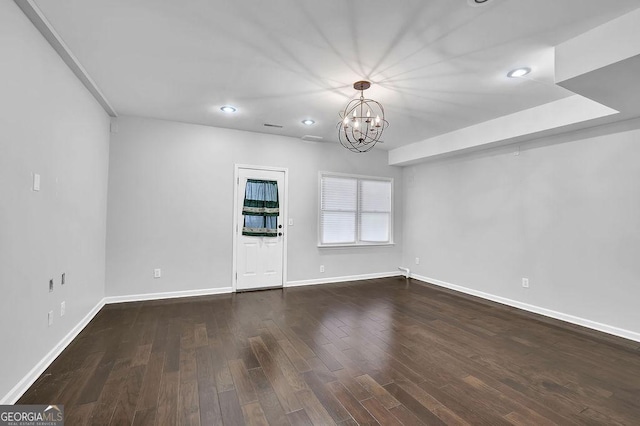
(375, 210)
(355, 210)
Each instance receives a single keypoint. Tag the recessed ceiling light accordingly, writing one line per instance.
(519, 72)
(308, 122)
(228, 108)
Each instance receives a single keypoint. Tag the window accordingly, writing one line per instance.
(261, 208)
(355, 210)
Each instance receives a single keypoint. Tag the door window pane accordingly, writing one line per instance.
(260, 208)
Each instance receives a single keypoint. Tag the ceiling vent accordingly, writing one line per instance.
(311, 138)
(276, 126)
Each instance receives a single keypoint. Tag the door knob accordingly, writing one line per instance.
(280, 226)
(280, 234)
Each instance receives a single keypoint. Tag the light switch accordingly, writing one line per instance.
(290, 222)
(36, 182)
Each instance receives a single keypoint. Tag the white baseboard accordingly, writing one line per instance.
(605, 328)
(30, 378)
(330, 280)
(166, 295)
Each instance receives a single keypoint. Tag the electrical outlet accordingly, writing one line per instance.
(157, 273)
(50, 285)
(50, 318)
(63, 308)
(322, 268)
(417, 260)
(525, 282)
(63, 278)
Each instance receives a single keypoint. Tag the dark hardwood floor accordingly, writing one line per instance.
(386, 351)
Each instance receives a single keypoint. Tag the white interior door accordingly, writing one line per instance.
(259, 259)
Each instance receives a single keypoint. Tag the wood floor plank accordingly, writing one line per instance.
(168, 399)
(201, 338)
(313, 407)
(413, 405)
(279, 383)
(381, 414)
(110, 394)
(407, 417)
(294, 356)
(208, 402)
(294, 378)
(299, 418)
(143, 352)
(318, 367)
(79, 414)
(427, 401)
(524, 420)
(151, 382)
(144, 417)
(352, 367)
(351, 404)
(253, 414)
(172, 350)
(188, 368)
(95, 383)
(267, 397)
(230, 408)
(223, 378)
(386, 399)
(353, 386)
(128, 397)
(244, 387)
(275, 330)
(189, 403)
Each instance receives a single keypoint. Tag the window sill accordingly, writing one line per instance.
(332, 246)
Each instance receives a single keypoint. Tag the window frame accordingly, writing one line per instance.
(358, 242)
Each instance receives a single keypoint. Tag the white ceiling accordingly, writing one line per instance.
(436, 65)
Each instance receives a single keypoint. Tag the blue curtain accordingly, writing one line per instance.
(261, 208)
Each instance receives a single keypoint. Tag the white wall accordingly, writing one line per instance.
(51, 125)
(564, 213)
(171, 205)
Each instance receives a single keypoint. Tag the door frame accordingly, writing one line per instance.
(236, 225)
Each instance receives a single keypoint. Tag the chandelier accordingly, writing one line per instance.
(362, 122)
